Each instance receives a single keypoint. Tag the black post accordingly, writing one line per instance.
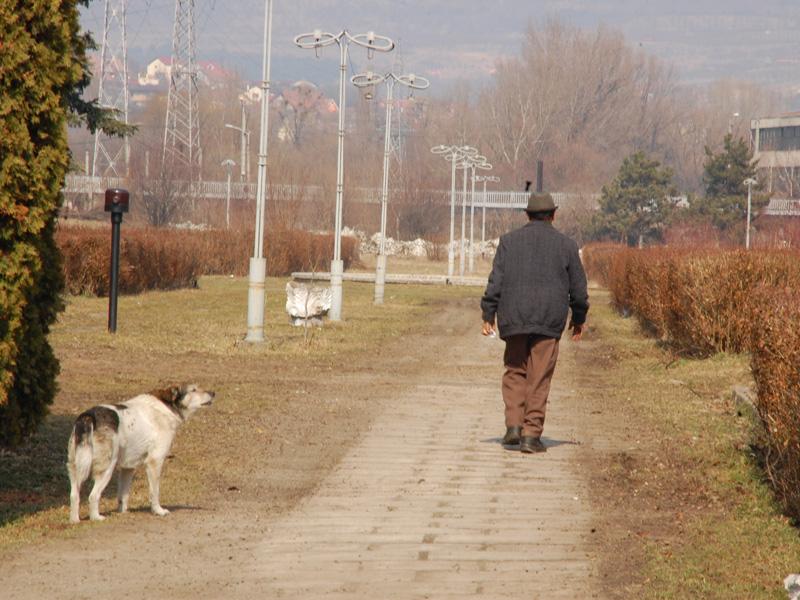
(116, 203)
(539, 176)
(113, 290)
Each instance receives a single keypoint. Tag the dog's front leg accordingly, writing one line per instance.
(153, 467)
(124, 488)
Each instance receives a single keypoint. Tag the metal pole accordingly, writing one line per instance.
(461, 257)
(89, 185)
(539, 176)
(380, 268)
(483, 222)
(451, 259)
(258, 265)
(749, 202)
(117, 203)
(248, 170)
(337, 265)
(472, 223)
(113, 290)
(228, 202)
(242, 144)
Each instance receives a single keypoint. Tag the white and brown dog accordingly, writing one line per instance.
(125, 436)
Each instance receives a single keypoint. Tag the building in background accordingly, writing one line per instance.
(776, 146)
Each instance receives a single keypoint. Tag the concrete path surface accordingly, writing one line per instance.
(430, 505)
(426, 504)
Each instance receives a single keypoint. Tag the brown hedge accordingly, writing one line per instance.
(167, 259)
(704, 301)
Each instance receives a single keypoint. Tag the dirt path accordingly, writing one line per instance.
(427, 504)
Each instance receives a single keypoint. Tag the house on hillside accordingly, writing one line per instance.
(300, 107)
(157, 73)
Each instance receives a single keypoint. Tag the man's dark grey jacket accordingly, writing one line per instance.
(536, 277)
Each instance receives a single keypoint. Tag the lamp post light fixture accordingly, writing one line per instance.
(369, 80)
(455, 155)
(258, 264)
(317, 40)
(228, 164)
(484, 179)
(749, 182)
(730, 122)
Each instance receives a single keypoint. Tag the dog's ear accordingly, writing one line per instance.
(163, 394)
(170, 395)
(178, 392)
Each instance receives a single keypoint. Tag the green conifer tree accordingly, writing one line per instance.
(43, 73)
(635, 207)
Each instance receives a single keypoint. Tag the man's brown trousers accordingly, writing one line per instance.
(530, 361)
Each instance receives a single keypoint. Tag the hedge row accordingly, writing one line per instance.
(707, 301)
(169, 259)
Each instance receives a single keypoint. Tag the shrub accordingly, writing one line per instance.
(43, 70)
(711, 297)
(704, 301)
(775, 360)
(170, 259)
(597, 259)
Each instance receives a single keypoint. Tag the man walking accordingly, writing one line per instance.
(536, 277)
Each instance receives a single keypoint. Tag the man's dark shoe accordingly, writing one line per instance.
(511, 438)
(530, 444)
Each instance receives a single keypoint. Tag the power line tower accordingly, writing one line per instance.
(112, 155)
(182, 130)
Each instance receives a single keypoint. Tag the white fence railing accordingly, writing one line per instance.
(83, 184)
(217, 190)
(783, 207)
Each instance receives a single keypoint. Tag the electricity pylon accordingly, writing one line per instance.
(182, 130)
(112, 155)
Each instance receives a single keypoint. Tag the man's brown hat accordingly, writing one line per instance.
(540, 202)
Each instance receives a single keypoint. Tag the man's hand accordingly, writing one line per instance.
(577, 331)
(488, 328)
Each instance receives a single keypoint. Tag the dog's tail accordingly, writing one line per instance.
(82, 438)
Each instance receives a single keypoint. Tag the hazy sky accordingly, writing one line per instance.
(449, 39)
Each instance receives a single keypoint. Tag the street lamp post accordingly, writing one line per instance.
(749, 182)
(256, 292)
(730, 122)
(475, 164)
(228, 164)
(462, 244)
(244, 145)
(372, 42)
(455, 155)
(369, 79)
(484, 179)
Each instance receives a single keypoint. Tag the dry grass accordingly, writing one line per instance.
(687, 513)
(278, 434)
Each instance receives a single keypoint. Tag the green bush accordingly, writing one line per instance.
(42, 71)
